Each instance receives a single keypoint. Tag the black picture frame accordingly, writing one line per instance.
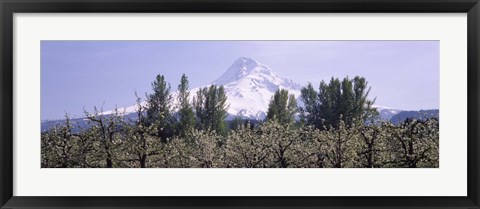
(9, 7)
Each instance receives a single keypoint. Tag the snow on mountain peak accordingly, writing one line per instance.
(241, 68)
(250, 85)
(246, 61)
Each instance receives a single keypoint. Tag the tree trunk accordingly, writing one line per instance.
(143, 161)
(109, 163)
(370, 156)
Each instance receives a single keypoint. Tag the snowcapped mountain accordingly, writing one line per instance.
(249, 86)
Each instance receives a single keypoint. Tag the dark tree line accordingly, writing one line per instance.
(330, 131)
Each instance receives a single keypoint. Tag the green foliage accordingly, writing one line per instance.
(158, 107)
(282, 107)
(186, 116)
(210, 106)
(236, 123)
(332, 134)
(346, 99)
(309, 114)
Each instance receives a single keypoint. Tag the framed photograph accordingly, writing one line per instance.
(239, 104)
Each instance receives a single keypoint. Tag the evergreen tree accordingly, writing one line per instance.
(237, 123)
(282, 107)
(186, 116)
(310, 112)
(199, 104)
(158, 108)
(211, 109)
(346, 99)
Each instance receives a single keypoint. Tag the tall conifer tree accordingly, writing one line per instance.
(282, 107)
(186, 116)
(211, 108)
(345, 100)
(158, 107)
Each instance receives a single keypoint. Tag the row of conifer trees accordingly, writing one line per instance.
(337, 127)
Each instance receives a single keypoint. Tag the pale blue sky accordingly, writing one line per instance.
(78, 74)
